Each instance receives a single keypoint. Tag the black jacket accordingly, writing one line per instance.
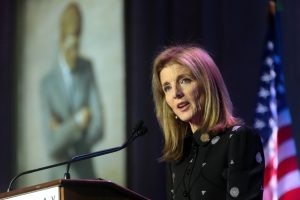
(228, 166)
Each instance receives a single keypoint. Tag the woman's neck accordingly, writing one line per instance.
(194, 127)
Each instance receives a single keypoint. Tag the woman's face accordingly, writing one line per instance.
(183, 93)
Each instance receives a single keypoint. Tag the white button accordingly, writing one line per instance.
(258, 157)
(173, 177)
(215, 139)
(234, 192)
(235, 128)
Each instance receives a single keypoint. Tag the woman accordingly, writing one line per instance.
(209, 153)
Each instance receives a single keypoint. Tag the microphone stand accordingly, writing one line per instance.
(34, 170)
(139, 130)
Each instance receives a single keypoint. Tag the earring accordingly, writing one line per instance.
(176, 117)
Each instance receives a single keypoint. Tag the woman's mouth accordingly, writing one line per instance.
(183, 106)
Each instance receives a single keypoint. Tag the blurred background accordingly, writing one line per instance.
(121, 38)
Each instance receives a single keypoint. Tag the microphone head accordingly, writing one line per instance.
(142, 131)
(138, 126)
(139, 129)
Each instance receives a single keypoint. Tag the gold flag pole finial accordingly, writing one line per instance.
(272, 7)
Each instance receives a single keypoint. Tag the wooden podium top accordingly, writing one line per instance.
(80, 188)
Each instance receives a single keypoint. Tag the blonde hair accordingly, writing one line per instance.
(217, 106)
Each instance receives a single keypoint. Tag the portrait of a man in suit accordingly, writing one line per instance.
(71, 110)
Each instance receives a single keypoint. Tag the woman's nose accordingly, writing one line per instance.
(178, 92)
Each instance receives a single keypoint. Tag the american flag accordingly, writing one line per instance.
(273, 122)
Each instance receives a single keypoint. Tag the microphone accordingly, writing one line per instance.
(137, 131)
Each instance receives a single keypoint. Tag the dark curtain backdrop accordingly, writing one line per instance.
(232, 31)
(6, 99)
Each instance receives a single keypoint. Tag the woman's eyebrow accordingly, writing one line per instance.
(165, 83)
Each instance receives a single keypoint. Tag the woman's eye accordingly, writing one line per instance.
(166, 88)
(185, 80)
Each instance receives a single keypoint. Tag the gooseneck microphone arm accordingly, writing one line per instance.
(34, 170)
(139, 130)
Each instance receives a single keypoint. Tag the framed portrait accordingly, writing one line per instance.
(70, 88)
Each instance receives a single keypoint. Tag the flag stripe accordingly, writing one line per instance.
(291, 195)
(269, 172)
(284, 133)
(286, 166)
(268, 194)
(286, 149)
(270, 149)
(289, 182)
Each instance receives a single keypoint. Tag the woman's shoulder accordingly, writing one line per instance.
(241, 131)
(241, 128)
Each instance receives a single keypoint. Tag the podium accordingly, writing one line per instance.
(73, 189)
